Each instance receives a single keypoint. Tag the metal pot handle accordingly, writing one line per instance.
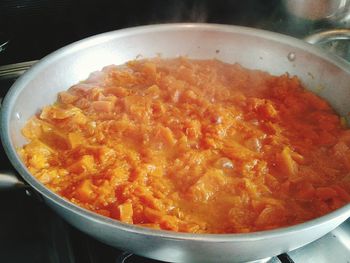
(329, 35)
(9, 180)
(340, 49)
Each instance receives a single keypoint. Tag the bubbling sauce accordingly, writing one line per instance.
(196, 146)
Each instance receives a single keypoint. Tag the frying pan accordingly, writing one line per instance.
(256, 49)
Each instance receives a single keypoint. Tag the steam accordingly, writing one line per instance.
(199, 12)
(179, 11)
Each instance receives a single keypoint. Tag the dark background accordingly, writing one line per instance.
(35, 28)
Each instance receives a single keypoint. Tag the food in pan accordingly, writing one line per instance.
(196, 146)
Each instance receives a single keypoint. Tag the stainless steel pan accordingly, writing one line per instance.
(256, 49)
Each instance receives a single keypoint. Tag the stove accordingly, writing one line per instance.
(31, 232)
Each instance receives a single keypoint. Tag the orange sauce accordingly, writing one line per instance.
(192, 146)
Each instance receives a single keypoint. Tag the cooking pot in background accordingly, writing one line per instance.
(330, 10)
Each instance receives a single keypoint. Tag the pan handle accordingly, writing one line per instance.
(9, 180)
(329, 35)
(333, 41)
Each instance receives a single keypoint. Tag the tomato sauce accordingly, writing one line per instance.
(196, 146)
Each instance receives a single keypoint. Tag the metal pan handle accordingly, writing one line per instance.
(9, 180)
(333, 41)
(327, 36)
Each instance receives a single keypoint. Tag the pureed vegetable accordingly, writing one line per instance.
(192, 146)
